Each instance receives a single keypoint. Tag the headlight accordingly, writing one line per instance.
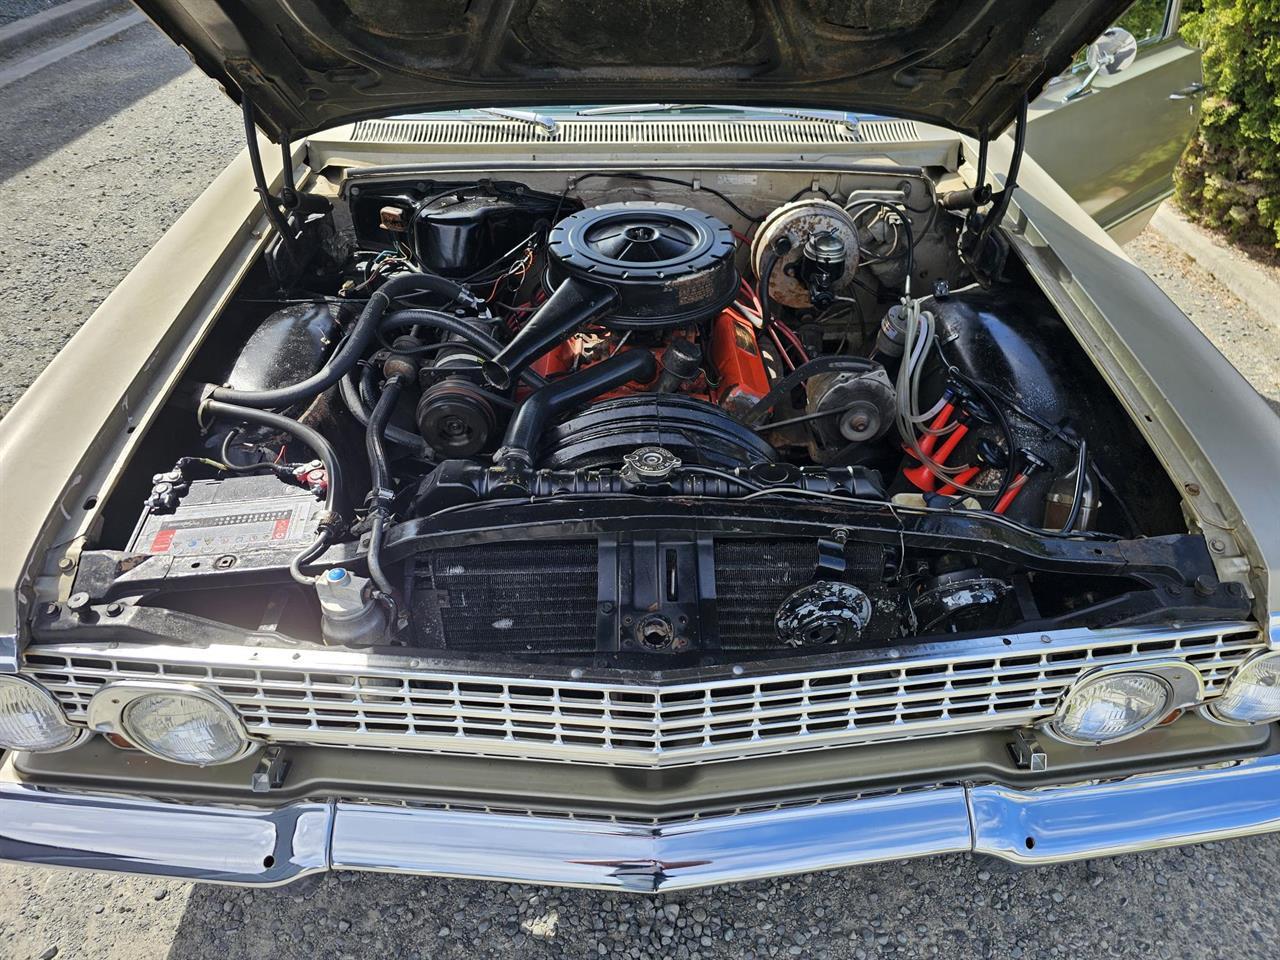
(1112, 706)
(1252, 695)
(175, 722)
(31, 718)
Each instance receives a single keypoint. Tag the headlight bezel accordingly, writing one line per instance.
(108, 712)
(1210, 709)
(78, 734)
(1184, 686)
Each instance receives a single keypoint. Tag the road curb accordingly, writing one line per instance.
(1248, 281)
(48, 23)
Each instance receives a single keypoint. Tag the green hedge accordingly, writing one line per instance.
(1229, 176)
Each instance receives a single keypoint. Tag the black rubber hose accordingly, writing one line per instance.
(376, 573)
(336, 500)
(362, 335)
(373, 446)
(350, 392)
(531, 418)
(573, 305)
(270, 203)
(767, 266)
(471, 334)
(1001, 206)
(810, 368)
(382, 494)
(315, 549)
(1077, 500)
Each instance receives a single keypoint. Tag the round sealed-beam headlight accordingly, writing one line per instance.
(176, 722)
(1252, 695)
(1112, 706)
(32, 719)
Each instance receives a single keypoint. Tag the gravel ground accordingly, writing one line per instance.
(125, 178)
(11, 10)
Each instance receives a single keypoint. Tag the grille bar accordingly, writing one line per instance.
(350, 699)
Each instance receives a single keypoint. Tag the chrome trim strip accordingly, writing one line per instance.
(672, 857)
(1057, 824)
(353, 699)
(213, 844)
(257, 846)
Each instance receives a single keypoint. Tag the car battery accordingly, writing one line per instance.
(231, 517)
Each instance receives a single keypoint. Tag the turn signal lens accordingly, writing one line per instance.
(1111, 707)
(1253, 694)
(31, 718)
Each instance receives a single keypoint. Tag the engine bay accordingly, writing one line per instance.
(627, 418)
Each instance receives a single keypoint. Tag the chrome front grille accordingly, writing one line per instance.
(349, 699)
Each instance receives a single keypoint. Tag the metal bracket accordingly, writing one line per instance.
(1084, 88)
(273, 767)
(1027, 753)
(10, 652)
(831, 563)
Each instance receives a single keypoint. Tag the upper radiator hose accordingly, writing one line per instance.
(573, 305)
(531, 419)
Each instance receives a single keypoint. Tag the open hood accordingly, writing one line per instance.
(311, 64)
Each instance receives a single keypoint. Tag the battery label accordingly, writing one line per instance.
(224, 532)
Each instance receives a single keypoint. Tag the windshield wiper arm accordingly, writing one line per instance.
(847, 120)
(541, 120)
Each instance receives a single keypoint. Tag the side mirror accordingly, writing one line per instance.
(1112, 52)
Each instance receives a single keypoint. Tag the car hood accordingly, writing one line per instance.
(311, 64)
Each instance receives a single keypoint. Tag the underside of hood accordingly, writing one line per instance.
(311, 64)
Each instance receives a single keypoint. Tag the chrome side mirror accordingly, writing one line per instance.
(1112, 52)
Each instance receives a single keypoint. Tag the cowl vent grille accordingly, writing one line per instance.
(665, 132)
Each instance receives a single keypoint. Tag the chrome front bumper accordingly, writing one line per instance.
(263, 847)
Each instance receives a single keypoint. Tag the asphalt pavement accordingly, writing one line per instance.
(98, 155)
(11, 10)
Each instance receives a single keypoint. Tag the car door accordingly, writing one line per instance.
(1114, 141)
